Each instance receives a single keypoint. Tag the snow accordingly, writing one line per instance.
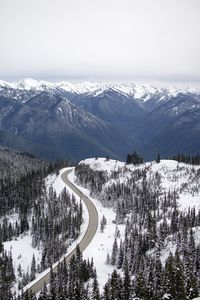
(173, 175)
(58, 186)
(82, 87)
(22, 252)
(28, 84)
(102, 164)
(102, 243)
(138, 91)
(11, 218)
(59, 109)
(57, 183)
(3, 84)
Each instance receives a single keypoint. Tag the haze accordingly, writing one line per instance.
(145, 40)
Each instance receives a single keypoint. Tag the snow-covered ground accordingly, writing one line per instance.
(102, 243)
(22, 250)
(172, 175)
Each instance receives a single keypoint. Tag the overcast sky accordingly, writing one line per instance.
(145, 40)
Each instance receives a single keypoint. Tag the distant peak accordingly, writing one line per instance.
(141, 91)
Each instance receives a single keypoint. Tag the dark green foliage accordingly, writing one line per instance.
(6, 275)
(140, 287)
(69, 283)
(54, 223)
(134, 158)
(154, 219)
(113, 288)
(95, 289)
(93, 180)
(158, 158)
(188, 159)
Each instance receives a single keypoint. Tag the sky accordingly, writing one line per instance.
(141, 40)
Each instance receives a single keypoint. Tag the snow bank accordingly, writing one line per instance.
(102, 243)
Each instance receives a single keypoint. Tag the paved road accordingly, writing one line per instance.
(90, 232)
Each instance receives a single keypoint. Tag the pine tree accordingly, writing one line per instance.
(180, 292)
(43, 295)
(170, 277)
(19, 270)
(95, 288)
(140, 287)
(158, 158)
(126, 283)
(114, 252)
(108, 259)
(52, 295)
(106, 292)
(115, 286)
(33, 268)
(120, 257)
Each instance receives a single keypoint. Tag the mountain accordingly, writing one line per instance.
(15, 164)
(50, 120)
(172, 127)
(86, 119)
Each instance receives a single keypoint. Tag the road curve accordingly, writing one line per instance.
(88, 236)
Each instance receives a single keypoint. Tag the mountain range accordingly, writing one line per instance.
(79, 120)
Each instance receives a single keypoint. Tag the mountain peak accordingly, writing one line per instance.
(139, 91)
(27, 84)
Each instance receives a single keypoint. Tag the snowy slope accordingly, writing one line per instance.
(173, 175)
(102, 243)
(183, 177)
(22, 249)
(139, 91)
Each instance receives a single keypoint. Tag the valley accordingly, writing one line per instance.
(80, 120)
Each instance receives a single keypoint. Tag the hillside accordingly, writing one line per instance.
(88, 119)
(149, 225)
(157, 204)
(14, 164)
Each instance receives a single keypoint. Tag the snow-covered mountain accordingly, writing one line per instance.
(138, 91)
(129, 115)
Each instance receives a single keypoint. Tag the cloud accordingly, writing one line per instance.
(149, 39)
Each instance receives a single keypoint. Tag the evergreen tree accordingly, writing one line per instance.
(140, 288)
(180, 292)
(126, 293)
(115, 286)
(95, 289)
(114, 252)
(33, 268)
(158, 158)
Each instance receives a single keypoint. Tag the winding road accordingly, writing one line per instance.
(88, 236)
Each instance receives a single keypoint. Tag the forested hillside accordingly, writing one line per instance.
(159, 205)
(14, 164)
(158, 255)
(155, 257)
(32, 214)
(88, 119)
